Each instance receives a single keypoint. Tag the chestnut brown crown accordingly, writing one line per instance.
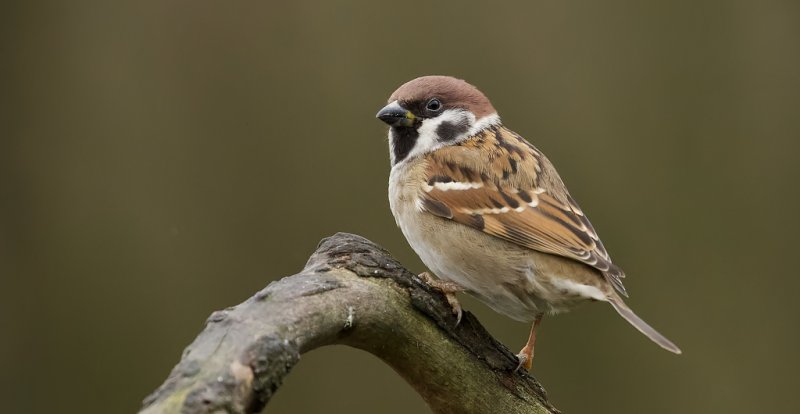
(452, 92)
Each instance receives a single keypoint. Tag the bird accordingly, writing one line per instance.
(488, 214)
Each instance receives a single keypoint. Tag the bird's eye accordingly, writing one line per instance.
(433, 105)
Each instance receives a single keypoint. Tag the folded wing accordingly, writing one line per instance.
(508, 189)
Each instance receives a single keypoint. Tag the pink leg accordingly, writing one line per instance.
(525, 356)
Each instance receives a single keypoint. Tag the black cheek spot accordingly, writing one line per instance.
(448, 131)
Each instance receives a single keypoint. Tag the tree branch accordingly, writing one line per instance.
(351, 292)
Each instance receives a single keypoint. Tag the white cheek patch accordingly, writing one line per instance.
(483, 123)
(428, 139)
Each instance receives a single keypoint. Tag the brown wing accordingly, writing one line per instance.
(505, 187)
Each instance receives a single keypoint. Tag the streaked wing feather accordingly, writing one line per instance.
(505, 187)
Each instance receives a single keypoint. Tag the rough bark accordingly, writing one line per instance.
(350, 292)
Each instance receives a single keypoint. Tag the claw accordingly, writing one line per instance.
(455, 305)
(449, 289)
(525, 361)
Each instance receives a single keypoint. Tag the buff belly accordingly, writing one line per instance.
(517, 282)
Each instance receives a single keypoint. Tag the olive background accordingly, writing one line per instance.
(160, 160)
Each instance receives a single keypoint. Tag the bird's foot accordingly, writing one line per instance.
(525, 358)
(449, 289)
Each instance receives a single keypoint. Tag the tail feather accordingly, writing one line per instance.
(641, 325)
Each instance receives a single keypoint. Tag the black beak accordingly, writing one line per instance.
(395, 115)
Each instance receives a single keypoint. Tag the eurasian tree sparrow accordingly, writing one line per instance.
(487, 212)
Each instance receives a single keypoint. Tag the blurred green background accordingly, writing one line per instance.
(160, 160)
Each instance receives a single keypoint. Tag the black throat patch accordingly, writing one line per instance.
(403, 140)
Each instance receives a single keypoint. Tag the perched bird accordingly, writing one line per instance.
(487, 212)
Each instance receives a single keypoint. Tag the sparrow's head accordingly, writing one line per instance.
(430, 112)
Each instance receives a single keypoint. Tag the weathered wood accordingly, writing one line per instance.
(350, 292)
